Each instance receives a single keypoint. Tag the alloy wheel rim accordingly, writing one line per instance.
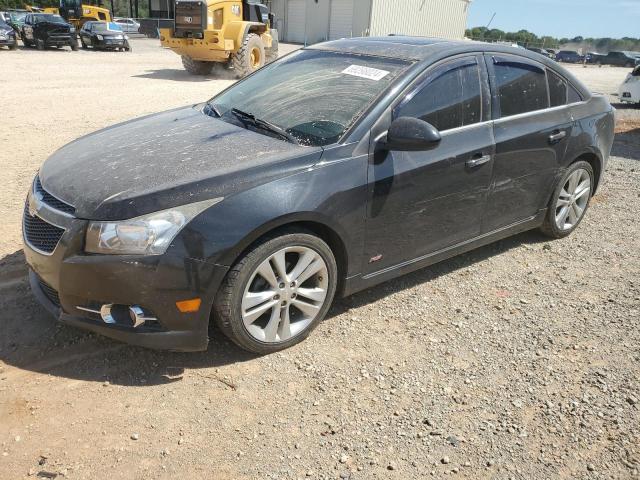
(573, 199)
(285, 294)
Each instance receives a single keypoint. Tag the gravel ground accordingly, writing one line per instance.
(518, 360)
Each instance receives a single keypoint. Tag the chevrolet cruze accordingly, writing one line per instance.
(338, 167)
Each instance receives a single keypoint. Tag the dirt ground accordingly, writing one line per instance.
(519, 360)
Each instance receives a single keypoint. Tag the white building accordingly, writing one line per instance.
(313, 21)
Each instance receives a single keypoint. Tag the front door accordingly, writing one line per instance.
(423, 202)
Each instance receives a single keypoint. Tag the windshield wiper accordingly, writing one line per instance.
(250, 119)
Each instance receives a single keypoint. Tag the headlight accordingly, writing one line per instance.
(72, 29)
(118, 37)
(147, 235)
(126, 37)
(100, 37)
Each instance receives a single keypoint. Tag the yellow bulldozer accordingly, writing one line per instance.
(233, 33)
(76, 12)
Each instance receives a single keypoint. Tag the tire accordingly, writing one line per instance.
(244, 276)
(14, 46)
(84, 45)
(127, 47)
(74, 46)
(272, 53)
(40, 44)
(250, 57)
(195, 67)
(550, 226)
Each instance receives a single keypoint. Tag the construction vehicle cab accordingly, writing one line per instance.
(234, 33)
(78, 12)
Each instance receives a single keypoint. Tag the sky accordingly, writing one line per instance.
(560, 18)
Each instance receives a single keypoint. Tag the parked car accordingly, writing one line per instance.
(569, 56)
(104, 36)
(254, 209)
(619, 59)
(48, 30)
(629, 91)
(16, 19)
(7, 36)
(128, 25)
(541, 51)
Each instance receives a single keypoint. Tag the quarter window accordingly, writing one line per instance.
(521, 88)
(574, 96)
(450, 98)
(557, 89)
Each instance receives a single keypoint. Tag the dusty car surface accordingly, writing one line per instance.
(331, 170)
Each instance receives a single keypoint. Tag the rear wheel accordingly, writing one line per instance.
(250, 57)
(570, 201)
(275, 295)
(195, 67)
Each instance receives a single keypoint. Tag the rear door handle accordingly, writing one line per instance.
(557, 137)
(478, 160)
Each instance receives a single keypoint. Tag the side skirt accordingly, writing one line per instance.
(359, 282)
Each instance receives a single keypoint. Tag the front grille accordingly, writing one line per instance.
(40, 234)
(49, 292)
(52, 201)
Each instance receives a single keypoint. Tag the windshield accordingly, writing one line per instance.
(3, 25)
(48, 17)
(312, 95)
(103, 27)
(17, 16)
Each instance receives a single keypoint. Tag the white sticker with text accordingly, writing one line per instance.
(366, 72)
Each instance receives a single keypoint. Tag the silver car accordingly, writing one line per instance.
(128, 25)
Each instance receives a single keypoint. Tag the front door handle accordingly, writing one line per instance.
(557, 137)
(478, 160)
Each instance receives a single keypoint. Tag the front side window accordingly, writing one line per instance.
(450, 99)
(312, 95)
(521, 87)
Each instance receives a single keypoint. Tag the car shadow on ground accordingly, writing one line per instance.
(627, 144)
(30, 340)
(177, 75)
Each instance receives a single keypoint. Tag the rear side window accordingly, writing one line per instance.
(574, 95)
(557, 89)
(451, 98)
(521, 87)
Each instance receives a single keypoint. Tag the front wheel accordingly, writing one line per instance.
(250, 57)
(570, 201)
(40, 44)
(275, 295)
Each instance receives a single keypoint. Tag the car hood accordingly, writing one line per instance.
(165, 160)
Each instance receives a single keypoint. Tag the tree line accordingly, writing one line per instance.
(530, 39)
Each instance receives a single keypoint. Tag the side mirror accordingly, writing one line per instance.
(408, 134)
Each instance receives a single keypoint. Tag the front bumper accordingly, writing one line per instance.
(58, 40)
(8, 41)
(110, 43)
(67, 278)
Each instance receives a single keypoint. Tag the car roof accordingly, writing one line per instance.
(418, 48)
(426, 51)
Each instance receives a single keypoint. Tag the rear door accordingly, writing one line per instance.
(531, 140)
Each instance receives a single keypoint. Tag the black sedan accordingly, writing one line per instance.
(104, 36)
(7, 36)
(331, 170)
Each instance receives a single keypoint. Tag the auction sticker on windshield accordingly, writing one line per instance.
(366, 72)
